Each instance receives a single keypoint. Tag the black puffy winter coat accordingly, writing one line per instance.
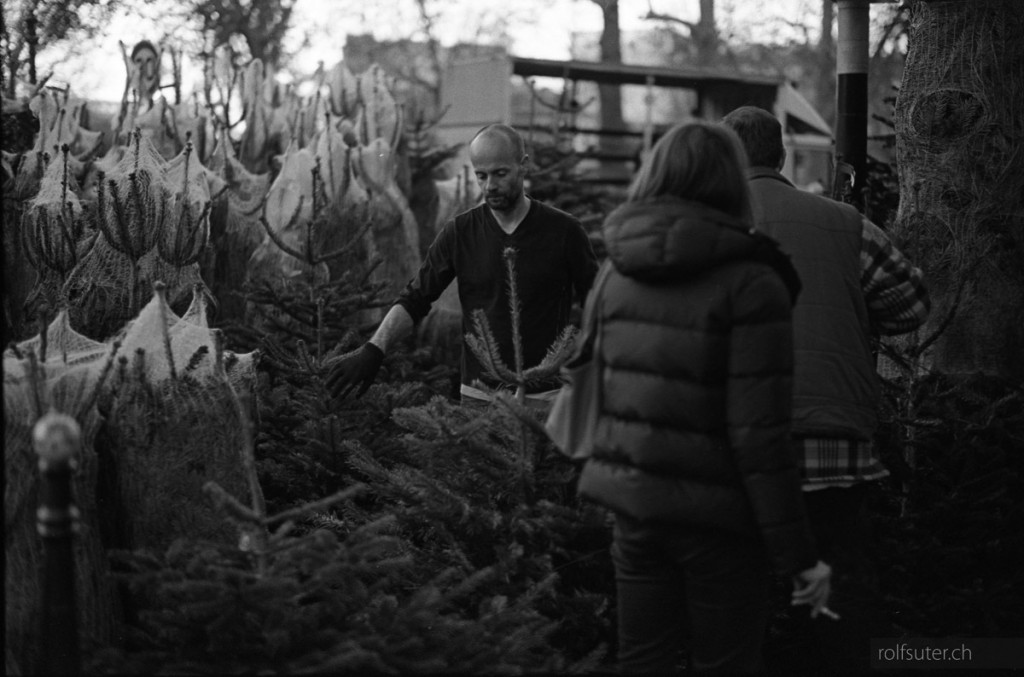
(697, 358)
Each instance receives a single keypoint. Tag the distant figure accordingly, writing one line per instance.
(692, 451)
(144, 73)
(555, 265)
(856, 285)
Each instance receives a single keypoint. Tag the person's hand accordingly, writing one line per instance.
(812, 587)
(355, 369)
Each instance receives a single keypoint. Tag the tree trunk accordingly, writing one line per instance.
(828, 13)
(32, 38)
(705, 35)
(825, 77)
(960, 152)
(610, 96)
(611, 52)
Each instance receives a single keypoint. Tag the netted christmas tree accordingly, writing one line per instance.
(56, 233)
(154, 220)
(171, 424)
(235, 230)
(156, 427)
(62, 371)
(60, 150)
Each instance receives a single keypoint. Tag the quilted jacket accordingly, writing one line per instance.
(696, 350)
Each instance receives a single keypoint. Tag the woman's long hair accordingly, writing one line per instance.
(699, 161)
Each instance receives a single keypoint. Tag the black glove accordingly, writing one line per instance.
(357, 368)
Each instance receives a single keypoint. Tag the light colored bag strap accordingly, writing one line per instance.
(590, 324)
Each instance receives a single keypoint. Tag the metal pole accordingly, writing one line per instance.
(57, 439)
(852, 89)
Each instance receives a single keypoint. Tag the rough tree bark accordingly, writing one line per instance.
(960, 153)
(610, 96)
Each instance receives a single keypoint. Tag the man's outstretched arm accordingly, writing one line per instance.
(357, 369)
(395, 326)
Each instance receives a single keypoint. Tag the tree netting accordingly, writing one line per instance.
(107, 284)
(335, 207)
(156, 126)
(160, 412)
(63, 377)
(58, 115)
(244, 196)
(235, 230)
(58, 128)
(158, 422)
(54, 229)
(960, 152)
(173, 419)
(395, 227)
(288, 213)
(182, 346)
(154, 223)
(55, 198)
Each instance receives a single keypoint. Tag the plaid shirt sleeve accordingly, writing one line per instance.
(894, 290)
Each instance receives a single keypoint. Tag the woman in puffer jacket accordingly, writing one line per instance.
(692, 451)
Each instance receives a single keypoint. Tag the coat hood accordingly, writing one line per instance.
(668, 238)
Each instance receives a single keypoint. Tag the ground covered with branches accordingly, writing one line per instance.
(459, 545)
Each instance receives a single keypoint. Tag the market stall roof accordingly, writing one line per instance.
(801, 115)
(629, 74)
(796, 106)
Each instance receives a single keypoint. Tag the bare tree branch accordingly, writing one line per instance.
(655, 16)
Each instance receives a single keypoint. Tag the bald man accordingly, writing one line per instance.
(555, 264)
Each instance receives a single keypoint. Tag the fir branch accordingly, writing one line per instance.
(224, 501)
(432, 420)
(559, 352)
(313, 506)
(521, 413)
(515, 308)
(486, 349)
(468, 585)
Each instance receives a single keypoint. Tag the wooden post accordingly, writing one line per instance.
(57, 439)
(649, 115)
(32, 29)
(852, 90)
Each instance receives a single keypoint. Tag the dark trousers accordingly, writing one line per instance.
(838, 518)
(673, 582)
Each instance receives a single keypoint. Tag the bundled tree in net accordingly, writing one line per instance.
(235, 230)
(154, 220)
(58, 116)
(57, 233)
(61, 371)
(170, 425)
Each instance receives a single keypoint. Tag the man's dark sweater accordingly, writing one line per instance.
(553, 260)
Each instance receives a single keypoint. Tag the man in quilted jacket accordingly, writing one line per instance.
(857, 286)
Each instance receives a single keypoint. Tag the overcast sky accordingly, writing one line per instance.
(535, 28)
